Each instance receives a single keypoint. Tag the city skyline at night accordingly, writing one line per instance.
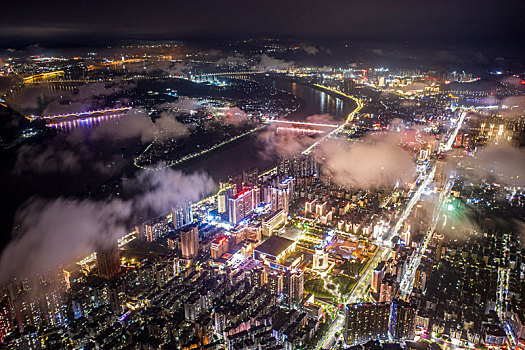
(262, 175)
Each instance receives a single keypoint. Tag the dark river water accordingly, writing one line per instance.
(254, 150)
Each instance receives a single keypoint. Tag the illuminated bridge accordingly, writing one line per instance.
(227, 74)
(84, 122)
(68, 81)
(44, 77)
(87, 114)
(215, 76)
(113, 64)
(300, 131)
(300, 123)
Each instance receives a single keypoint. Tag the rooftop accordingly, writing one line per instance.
(274, 245)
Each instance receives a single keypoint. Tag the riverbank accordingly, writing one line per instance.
(252, 150)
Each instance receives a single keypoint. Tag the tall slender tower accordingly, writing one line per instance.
(189, 241)
(108, 262)
(181, 214)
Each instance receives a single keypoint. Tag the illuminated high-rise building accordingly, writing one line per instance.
(108, 262)
(282, 195)
(321, 208)
(221, 203)
(37, 302)
(309, 207)
(277, 199)
(116, 296)
(259, 276)
(238, 184)
(276, 282)
(402, 316)
(256, 197)
(219, 247)
(148, 230)
(182, 215)
(406, 236)
(140, 232)
(280, 199)
(388, 289)
(223, 198)
(250, 178)
(298, 167)
(155, 228)
(189, 241)
(437, 241)
(377, 276)
(288, 185)
(241, 206)
(5, 322)
(420, 280)
(366, 321)
(296, 286)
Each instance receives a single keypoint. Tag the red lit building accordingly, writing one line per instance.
(241, 206)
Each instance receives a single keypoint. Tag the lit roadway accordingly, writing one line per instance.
(407, 283)
(383, 251)
(429, 176)
(192, 155)
(452, 137)
(502, 292)
(337, 324)
(360, 288)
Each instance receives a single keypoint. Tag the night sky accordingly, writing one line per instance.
(422, 20)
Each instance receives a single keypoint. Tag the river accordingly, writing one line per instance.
(254, 150)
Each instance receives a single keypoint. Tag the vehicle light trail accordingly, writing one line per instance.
(428, 179)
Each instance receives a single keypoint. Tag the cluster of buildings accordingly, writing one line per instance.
(167, 300)
(228, 277)
(379, 321)
(491, 128)
(464, 292)
(188, 293)
(469, 290)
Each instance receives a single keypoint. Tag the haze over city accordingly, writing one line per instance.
(262, 175)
